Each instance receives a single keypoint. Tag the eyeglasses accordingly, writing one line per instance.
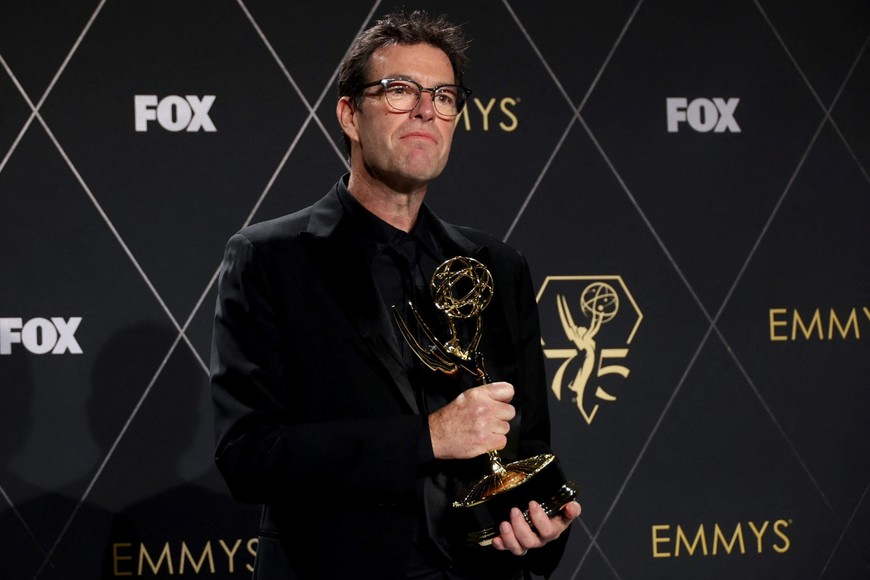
(404, 94)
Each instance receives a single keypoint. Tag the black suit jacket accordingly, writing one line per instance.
(315, 415)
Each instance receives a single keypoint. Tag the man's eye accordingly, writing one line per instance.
(398, 89)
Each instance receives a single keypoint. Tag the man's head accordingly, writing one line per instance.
(398, 29)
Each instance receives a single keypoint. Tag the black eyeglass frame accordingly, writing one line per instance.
(462, 94)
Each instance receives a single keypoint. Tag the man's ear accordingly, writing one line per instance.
(346, 113)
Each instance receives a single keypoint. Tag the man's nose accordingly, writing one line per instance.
(426, 105)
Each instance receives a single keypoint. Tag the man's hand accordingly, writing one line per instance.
(518, 537)
(473, 423)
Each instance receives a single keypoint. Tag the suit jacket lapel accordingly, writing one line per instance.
(344, 272)
(461, 245)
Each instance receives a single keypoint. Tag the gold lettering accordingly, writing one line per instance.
(231, 553)
(852, 322)
(252, 550)
(485, 111)
(699, 537)
(718, 536)
(508, 113)
(116, 557)
(778, 527)
(815, 322)
(155, 568)
(187, 556)
(759, 533)
(867, 312)
(656, 540)
(698, 546)
(774, 323)
(505, 105)
(465, 118)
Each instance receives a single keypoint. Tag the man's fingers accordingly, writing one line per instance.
(517, 536)
(571, 510)
(525, 535)
(505, 412)
(476, 421)
(500, 391)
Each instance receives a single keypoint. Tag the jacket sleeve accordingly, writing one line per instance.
(265, 452)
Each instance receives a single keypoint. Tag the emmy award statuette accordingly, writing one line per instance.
(462, 288)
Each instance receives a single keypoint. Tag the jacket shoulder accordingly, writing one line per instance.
(496, 247)
(279, 229)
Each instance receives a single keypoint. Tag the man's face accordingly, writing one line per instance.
(403, 149)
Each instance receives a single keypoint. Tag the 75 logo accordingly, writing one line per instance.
(578, 315)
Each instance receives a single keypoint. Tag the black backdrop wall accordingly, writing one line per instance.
(691, 178)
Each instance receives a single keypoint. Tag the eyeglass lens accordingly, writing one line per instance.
(404, 95)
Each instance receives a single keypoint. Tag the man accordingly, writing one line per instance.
(323, 413)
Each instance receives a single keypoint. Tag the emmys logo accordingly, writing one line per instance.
(720, 539)
(578, 315)
(495, 113)
(793, 325)
(191, 558)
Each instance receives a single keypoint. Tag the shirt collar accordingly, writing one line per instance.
(375, 234)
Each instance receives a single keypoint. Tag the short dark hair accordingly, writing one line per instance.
(399, 28)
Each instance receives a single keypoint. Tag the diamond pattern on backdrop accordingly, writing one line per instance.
(563, 147)
(148, 175)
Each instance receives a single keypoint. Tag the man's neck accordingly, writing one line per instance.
(397, 208)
